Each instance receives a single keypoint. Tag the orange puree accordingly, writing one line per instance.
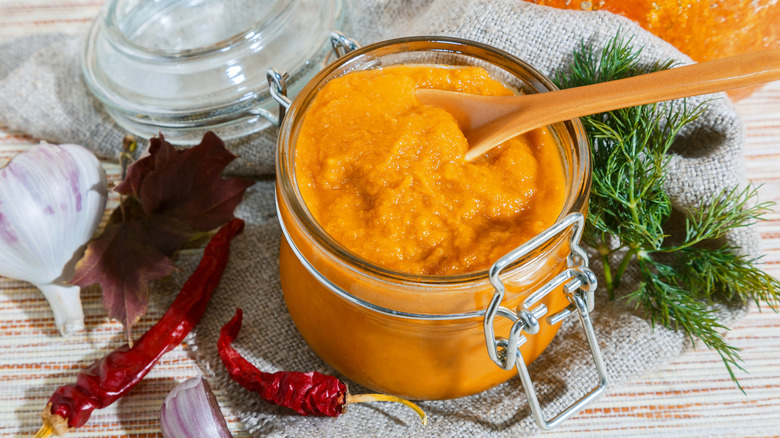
(386, 177)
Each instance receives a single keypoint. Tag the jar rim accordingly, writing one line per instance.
(576, 199)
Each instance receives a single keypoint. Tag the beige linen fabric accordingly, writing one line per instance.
(42, 94)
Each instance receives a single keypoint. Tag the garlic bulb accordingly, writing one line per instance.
(51, 200)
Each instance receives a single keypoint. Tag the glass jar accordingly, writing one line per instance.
(184, 67)
(434, 337)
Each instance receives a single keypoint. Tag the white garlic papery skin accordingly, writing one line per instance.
(52, 199)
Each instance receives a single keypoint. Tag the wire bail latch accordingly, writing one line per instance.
(579, 284)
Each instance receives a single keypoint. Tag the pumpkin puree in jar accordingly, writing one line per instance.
(386, 176)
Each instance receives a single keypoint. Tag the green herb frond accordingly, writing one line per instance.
(617, 60)
(665, 297)
(630, 155)
(724, 274)
(731, 208)
(628, 176)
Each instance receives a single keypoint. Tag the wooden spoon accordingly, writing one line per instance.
(488, 121)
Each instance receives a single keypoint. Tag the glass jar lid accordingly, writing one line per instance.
(183, 67)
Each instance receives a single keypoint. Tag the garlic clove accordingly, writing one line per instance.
(191, 411)
(52, 199)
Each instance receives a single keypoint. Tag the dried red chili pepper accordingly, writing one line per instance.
(112, 376)
(311, 393)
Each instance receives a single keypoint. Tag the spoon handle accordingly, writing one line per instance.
(692, 80)
(537, 110)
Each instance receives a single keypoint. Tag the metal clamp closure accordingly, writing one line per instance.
(579, 284)
(342, 44)
(277, 81)
(277, 86)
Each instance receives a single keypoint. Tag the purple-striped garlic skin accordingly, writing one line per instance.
(52, 198)
(191, 411)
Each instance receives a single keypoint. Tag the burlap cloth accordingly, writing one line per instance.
(42, 94)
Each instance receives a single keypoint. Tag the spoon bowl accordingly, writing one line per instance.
(488, 121)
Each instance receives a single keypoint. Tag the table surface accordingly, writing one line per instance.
(692, 394)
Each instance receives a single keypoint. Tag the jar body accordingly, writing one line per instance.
(415, 358)
(419, 337)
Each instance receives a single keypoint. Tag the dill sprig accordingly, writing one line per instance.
(682, 278)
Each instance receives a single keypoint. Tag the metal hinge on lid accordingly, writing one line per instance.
(277, 80)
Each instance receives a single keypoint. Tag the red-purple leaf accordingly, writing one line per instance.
(185, 186)
(171, 197)
(124, 266)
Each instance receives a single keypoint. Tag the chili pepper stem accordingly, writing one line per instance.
(44, 431)
(53, 424)
(362, 398)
